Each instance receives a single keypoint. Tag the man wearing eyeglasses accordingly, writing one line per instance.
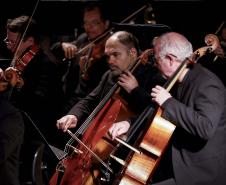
(40, 95)
(86, 68)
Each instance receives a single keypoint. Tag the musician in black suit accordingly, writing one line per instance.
(84, 70)
(40, 95)
(11, 138)
(122, 50)
(197, 106)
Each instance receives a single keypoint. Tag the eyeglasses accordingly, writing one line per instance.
(92, 23)
(7, 41)
(156, 58)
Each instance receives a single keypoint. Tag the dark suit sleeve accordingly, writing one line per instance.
(11, 131)
(140, 99)
(203, 116)
(85, 106)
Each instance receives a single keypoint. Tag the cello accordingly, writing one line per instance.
(94, 142)
(138, 168)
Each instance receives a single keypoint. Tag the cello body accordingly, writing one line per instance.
(152, 146)
(95, 145)
(139, 168)
(83, 168)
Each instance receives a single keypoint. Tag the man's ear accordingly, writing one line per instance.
(30, 40)
(171, 59)
(107, 23)
(133, 52)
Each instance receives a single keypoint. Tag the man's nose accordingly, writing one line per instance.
(111, 60)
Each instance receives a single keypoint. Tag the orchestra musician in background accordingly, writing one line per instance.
(122, 50)
(40, 94)
(83, 72)
(221, 50)
(197, 152)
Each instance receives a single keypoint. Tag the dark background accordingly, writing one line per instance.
(60, 19)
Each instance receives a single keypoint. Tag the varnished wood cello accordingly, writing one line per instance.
(139, 166)
(94, 142)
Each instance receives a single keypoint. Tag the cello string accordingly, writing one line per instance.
(100, 105)
(91, 152)
(131, 67)
(91, 116)
(212, 45)
(97, 39)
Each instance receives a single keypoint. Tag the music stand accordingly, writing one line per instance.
(144, 32)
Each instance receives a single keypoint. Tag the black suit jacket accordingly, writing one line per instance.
(11, 138)
(41, 95)
(198, 109)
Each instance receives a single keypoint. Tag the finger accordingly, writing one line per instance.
(61, 125)
(159, 87)
(121, 83)
(125, 72)
(71, 123)
(123, 76)
(71, 53)
(111, 131)
(120, 131)
(153, 91)
(114, 133)
(122, 80)
(67, 54)
(57, 125)
(129, 74)
(66, 126)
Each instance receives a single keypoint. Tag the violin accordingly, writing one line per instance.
(139, 165)
(87, 59)
(95, 49)
(11, 77)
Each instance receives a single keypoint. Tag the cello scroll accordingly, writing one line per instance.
(212, 43)
(139, 168)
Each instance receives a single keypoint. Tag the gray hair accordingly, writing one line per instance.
(175, 44)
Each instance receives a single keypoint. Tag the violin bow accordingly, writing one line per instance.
(21, 37)
(59, 154)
